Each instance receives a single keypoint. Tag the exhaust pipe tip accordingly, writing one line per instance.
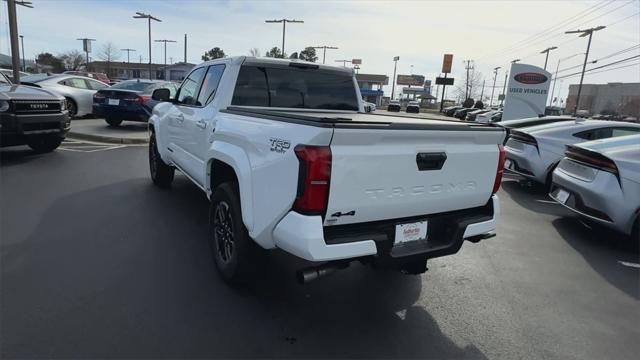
(307, 275)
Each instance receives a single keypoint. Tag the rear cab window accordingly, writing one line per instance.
(291, 87)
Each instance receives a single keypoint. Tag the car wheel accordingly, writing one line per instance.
(44, 144)
(236, 256)
(113, 122)
(161, 173)
(72, 107)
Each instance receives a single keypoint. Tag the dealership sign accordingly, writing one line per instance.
(417, 80)
(527, 92)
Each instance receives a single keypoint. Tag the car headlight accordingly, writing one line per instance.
(4, 105)
(63, 105)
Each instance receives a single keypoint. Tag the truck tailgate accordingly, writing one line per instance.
(380, 174)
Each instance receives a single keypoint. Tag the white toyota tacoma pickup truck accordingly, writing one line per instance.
(289, 160)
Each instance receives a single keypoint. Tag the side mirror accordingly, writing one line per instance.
(161, 95)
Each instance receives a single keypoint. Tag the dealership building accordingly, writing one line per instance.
(371, 87)
(621, 98)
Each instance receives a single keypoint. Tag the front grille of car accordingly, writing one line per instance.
(36, 106)
(40, 126)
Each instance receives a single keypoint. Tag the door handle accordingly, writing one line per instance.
(430, 161)
(201, 124)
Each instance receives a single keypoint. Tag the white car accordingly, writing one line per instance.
(369, 107)
(486, 117)
(303, 169)
(533, 152)
(600, 180)
(77, 90)
(413, 107)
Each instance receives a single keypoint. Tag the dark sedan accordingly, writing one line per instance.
(451, 110)
(462, 113)
(128, 100)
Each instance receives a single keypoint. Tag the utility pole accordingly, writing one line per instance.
(555, 78)
(13, 33)
(165, 41)
(344, 62)
(24, 63)
(149, 17)
(284, 27)
(393, 81)
(495, 76)
(583, 33)
(86, 47)
(504, 86)
(466, 88)
(546, 59)
(324, 50)
(128, 51)
(482, 92)
(185, 48)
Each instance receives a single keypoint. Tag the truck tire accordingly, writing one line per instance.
(44, 144)
(113, 122)
(236, 255)
(161, 173)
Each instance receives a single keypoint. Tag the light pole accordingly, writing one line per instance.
(128, 52)
(583, 33)
(324, 50)
(495, 76)
(547, 52)
(504, 86)
(284, 26)
(13, 33)
(555, 78)
(86, 47)
(393, 81)
(165, 41)
(149, 17)
(24, 64)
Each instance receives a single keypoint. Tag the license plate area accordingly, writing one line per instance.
(114, 101)
(411, 232)
(508, 164)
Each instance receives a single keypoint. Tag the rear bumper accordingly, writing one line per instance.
(305, 237)
(136, 114)
(525, 162)
(601, 200)
(393, 108)
(16, 128)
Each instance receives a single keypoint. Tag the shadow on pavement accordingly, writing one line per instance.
(603, 249)
(15, 155)
(124, 270)
(529, 195)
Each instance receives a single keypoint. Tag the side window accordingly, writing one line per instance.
(189, 90)
(251, 87)
(210, 84)
(594, 134)
(75, 83)
(96, 85)
(624, 131)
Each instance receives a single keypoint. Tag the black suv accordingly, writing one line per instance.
(31, 116)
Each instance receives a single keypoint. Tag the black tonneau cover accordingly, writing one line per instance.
(358, 120)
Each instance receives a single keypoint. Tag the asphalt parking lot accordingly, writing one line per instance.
(96, 262)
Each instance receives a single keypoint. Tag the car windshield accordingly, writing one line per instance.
(4, 80)
(134, 85)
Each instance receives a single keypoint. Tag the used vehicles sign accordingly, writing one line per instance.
(527, 92)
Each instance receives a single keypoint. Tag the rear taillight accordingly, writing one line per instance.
(499, 171)
(98, 98)
(591, 159)
(313, 179)
(524, 138)
(143, 99)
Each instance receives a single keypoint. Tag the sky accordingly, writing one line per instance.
(491, 33)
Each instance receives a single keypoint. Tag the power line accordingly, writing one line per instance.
(605, 57)
(600, 67)
(558, 26)
(601, 71)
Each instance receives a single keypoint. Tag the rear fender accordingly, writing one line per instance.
(237, 159)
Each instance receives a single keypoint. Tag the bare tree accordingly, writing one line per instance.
(109, 52)
(475, 86)
(72, 60)
(254, 52)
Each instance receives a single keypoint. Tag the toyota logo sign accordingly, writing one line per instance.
(530, 78)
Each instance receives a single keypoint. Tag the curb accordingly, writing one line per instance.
(106, 139)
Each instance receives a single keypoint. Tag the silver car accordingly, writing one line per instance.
(533, 152)
(77, 90)
(600, 180)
